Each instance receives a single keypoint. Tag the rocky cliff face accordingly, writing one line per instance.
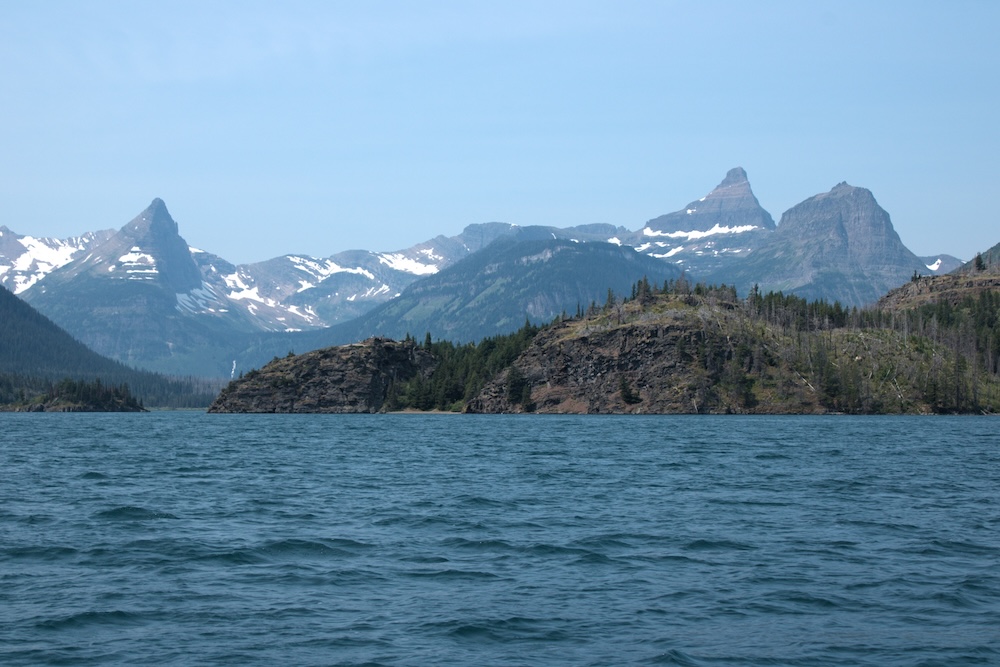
(669, 352)
(951, 289)
(674, 361)
(350, 379)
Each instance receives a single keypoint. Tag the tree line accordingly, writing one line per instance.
(462, 370)
(942, 357)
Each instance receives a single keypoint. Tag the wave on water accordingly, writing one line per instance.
(133, 513)
(87, 619)
(449, 541)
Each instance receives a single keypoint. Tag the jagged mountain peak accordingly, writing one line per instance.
(148, 249)
(850, 209)
(155, 220)
(734, 191)
(735, 176)
(845, 189)
(730, 205)
(727, 222)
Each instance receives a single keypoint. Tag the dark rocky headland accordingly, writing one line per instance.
(348, 379)
(667, 350)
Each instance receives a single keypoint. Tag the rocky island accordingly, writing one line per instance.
(347, 379)
(666, 349)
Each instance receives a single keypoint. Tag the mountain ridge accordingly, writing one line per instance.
(205, 309)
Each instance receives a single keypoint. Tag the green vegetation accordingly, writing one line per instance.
(152, 389)
(72, 396)
(35, 353)
(462, 372)
(938, 357)
(765, 350)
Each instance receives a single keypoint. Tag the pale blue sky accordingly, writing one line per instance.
(315, 127)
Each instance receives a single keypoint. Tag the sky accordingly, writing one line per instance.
(316, 127)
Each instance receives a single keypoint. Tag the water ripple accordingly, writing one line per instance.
(410, 540)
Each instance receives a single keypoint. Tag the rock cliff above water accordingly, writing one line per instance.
(666, 350)
(349, 379)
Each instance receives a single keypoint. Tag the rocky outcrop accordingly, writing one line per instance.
(951, 289)
(675, 361)
(349, 379)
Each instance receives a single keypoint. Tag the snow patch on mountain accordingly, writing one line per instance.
(370, 292)
(235, 281)
(401, 262)
(241, 291)
(252, 294)
(200, 300)
(669, 253)
(321, 269)
(40, 257)
(138, 265)
(696, 234)
(309, 315)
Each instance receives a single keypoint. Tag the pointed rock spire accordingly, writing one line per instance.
(734, 176)
(730, 206)
(154, 219)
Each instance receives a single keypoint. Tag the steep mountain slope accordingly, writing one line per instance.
(31, 344)
(727, 222)
(35, 352)
(838, 246)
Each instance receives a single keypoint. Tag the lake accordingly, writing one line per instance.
(187, 538)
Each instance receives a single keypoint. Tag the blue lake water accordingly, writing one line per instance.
(187, 538)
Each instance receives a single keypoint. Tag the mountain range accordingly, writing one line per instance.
(144, 296)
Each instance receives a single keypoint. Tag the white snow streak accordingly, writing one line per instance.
(323, 269)
(695, 235)
(401, 262)
(670, 253)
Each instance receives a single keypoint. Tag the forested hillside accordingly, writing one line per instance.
(702, 349)
(35, 354)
